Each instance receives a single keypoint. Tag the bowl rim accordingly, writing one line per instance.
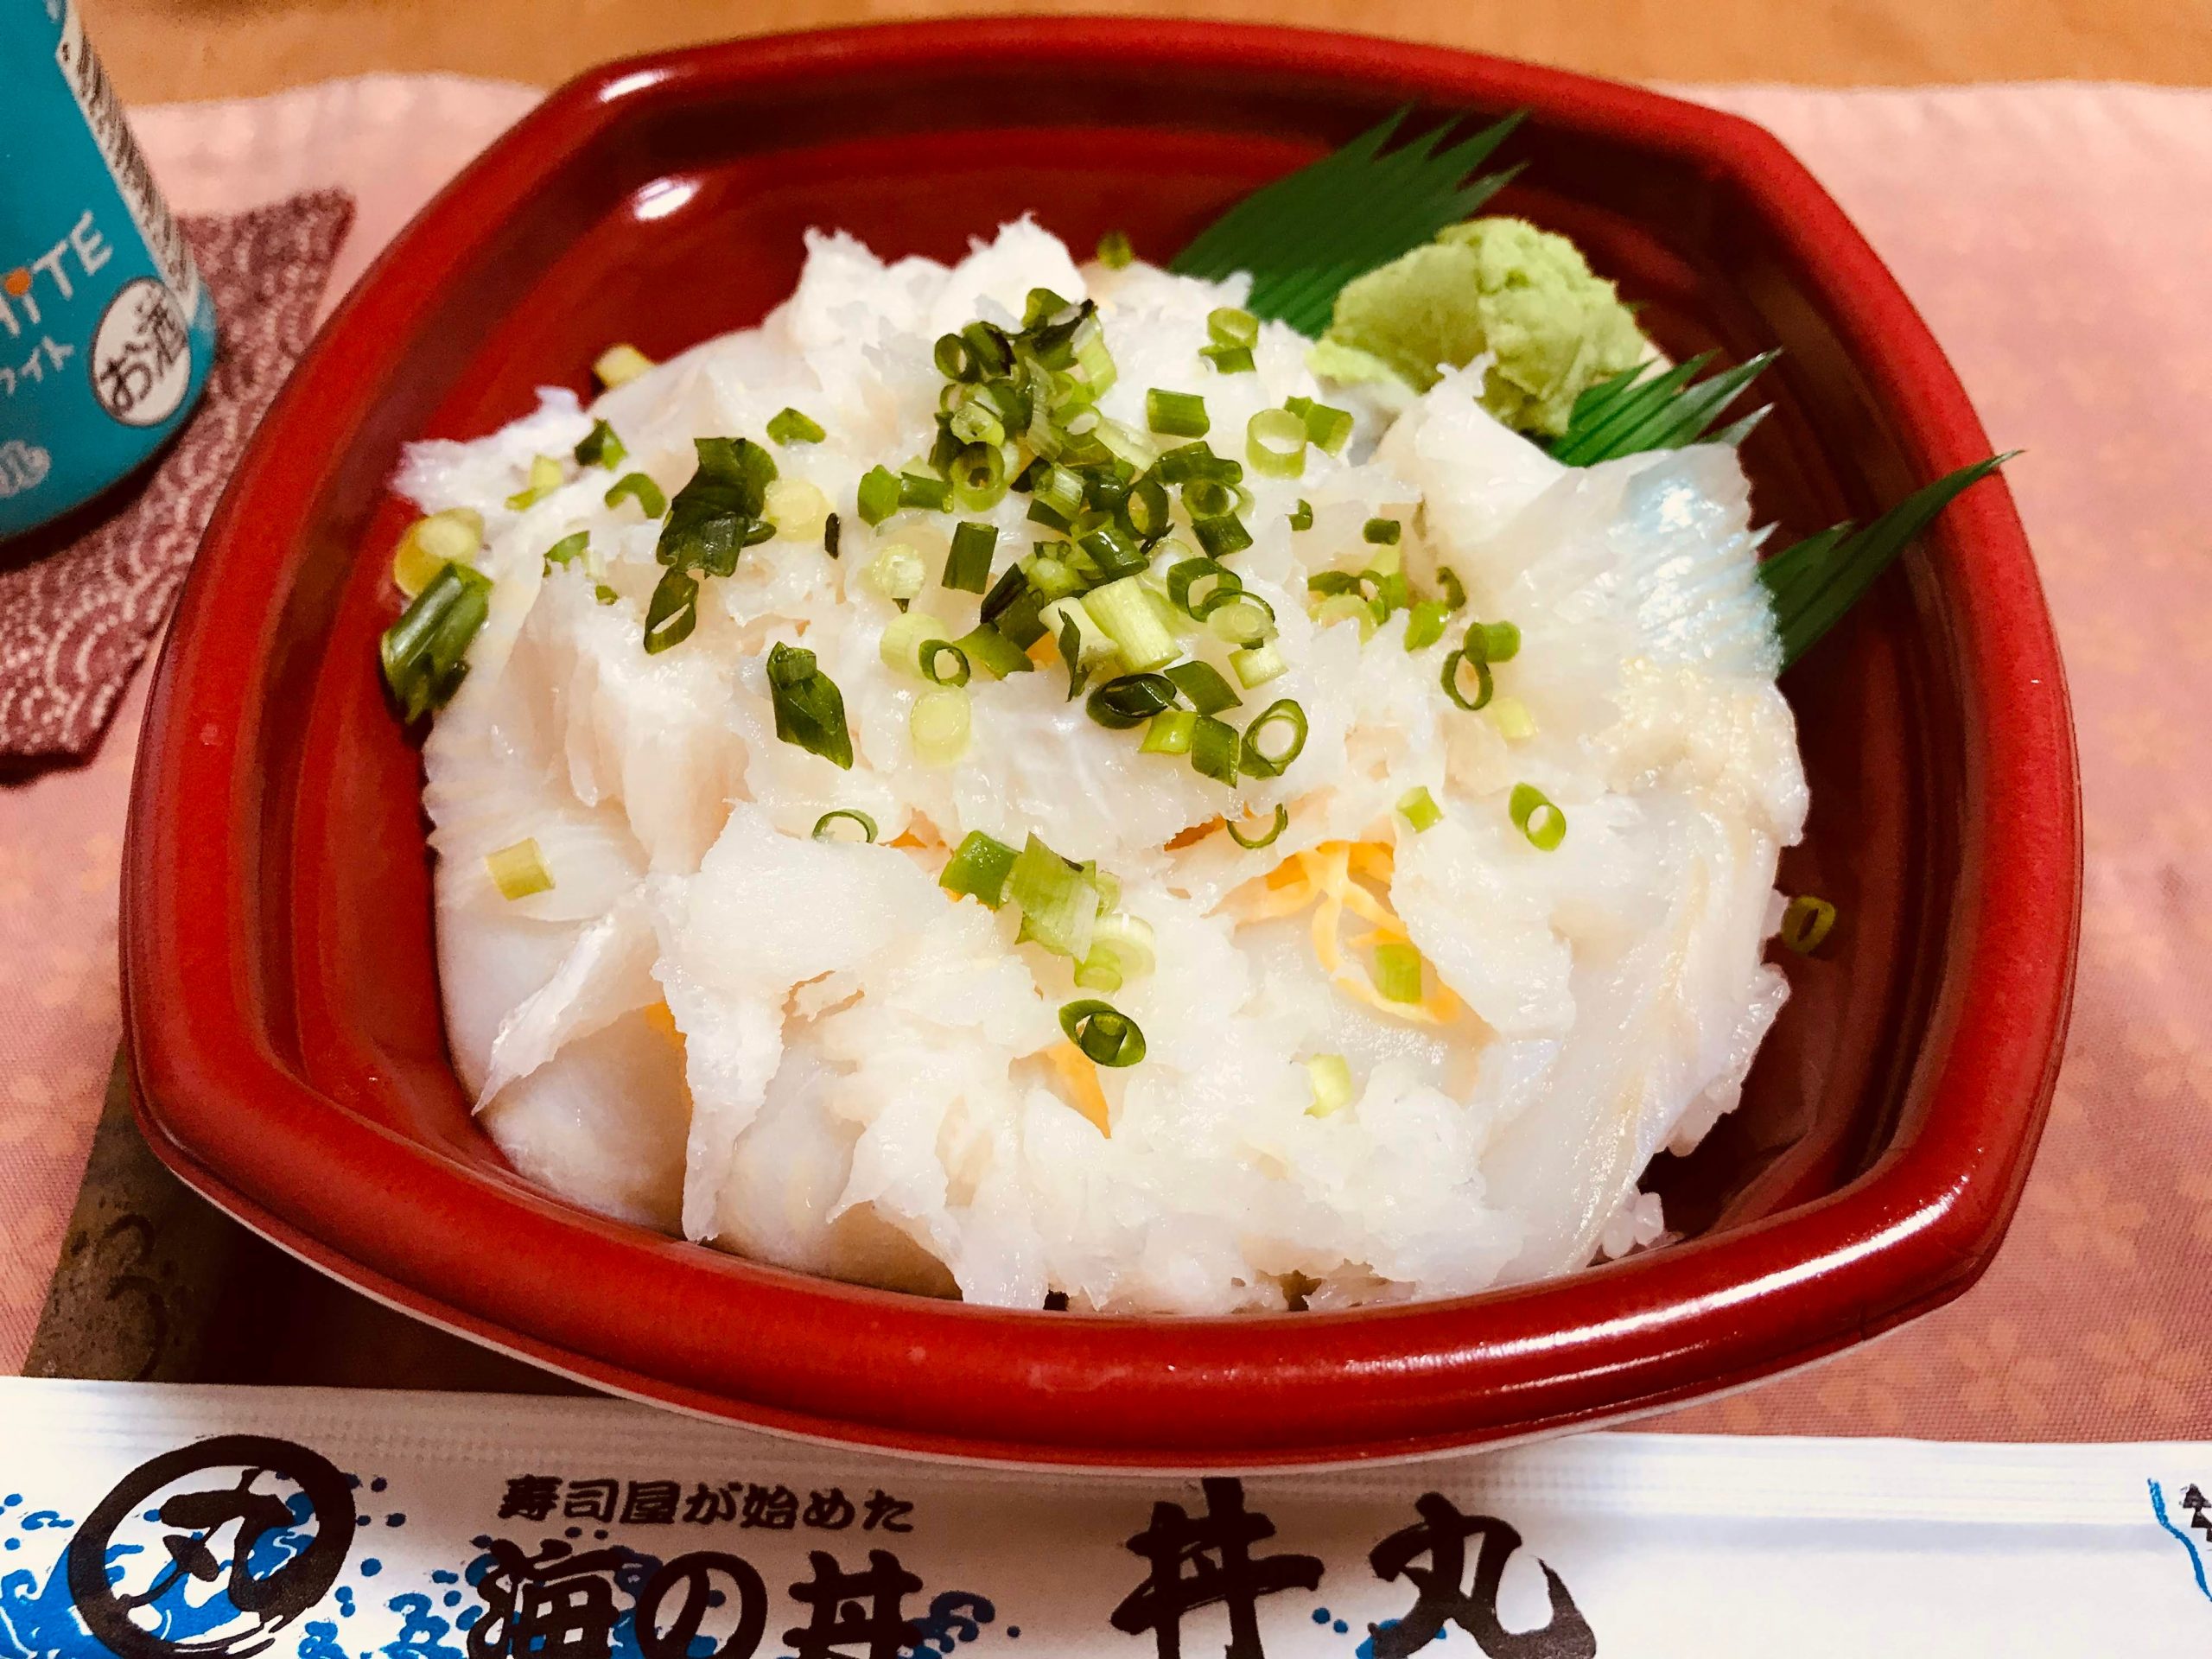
(950, 1379)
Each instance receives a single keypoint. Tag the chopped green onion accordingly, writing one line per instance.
(897, 572)
(1392, 593)
(568, 548)
(1380, 532)
(1281, 823)
(809, 709)
(976, 422)
(1184, 577)
(1221, 536)
(519, 871)
(978, 477)
(1203, 687)
(1326, 427)
(454, 536)
(1042, 306)
(796, 507)
(1115, 251)
(425, 652)
(1515, 722)
(1302, 518)
(957, 360)
(978, 869)
(1127, 444)
(832, 531)
(1149, 512)
(988, 346)
(1805, 922)
(1455, 592)
(1176, 414)
(1114, 554)
(1214, 748)
(1274, 442)
(1060, 901)
(1228, 360)
(1534, 817)
(930, 493)
(823, 831)
(1060, 488)
(1256, 664)
(1239, 618)
(1208, 498)
(1258, 758)
(640, 489)
(1068, 638)
(619, 365)
(1130, 700)
(1123, 611)
(936, 670)
(1483, 684)
(1340, 607)
(1170, 733)
(903, 639)
(879, 495)
(938, 724)
(1231, 325)
(1185, 462)
(1397, 973)
(545, 477)
(1425, 627)
(601, 448)
(789, 426)
(1493, 642)
(1121, 949)
(605, 594)
(1386, 561)
(1330, 1077)
(1420, 809)
(968, 567)
(1108, 1036)
(672, 612)
(991, 651)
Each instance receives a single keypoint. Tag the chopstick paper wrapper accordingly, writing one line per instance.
(150, 1521)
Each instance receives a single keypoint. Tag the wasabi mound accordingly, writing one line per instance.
(1551, 327)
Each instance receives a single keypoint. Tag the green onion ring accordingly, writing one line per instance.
(1257, 760)
(1281, 823)
(1535, 817)
(1482, 679)
(1130, 700)
(822, 832)
(1187, 574)
(1805, 922)
(1103, 1032)
(927, 656)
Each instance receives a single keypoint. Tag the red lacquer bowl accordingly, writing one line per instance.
(282, 1010)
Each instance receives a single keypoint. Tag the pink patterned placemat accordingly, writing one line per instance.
(75, 621)
(2057, 238)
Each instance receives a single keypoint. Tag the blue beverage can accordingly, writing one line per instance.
(106, 330)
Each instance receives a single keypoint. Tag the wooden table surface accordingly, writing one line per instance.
(166, 49)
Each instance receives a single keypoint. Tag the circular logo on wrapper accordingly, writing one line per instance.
(142, 354)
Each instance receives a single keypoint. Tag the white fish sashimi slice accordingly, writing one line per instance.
(603, 1123)
(607, 973)
(781, 1202)
(1657, 1023)
(1472, 905)
(765, 912)
(1473, 471)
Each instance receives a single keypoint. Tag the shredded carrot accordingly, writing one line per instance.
(663, 1020)
(1191, 837)
(1323, 877)
(1080, 1073)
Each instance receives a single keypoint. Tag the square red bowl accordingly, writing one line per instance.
(282, 1010)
